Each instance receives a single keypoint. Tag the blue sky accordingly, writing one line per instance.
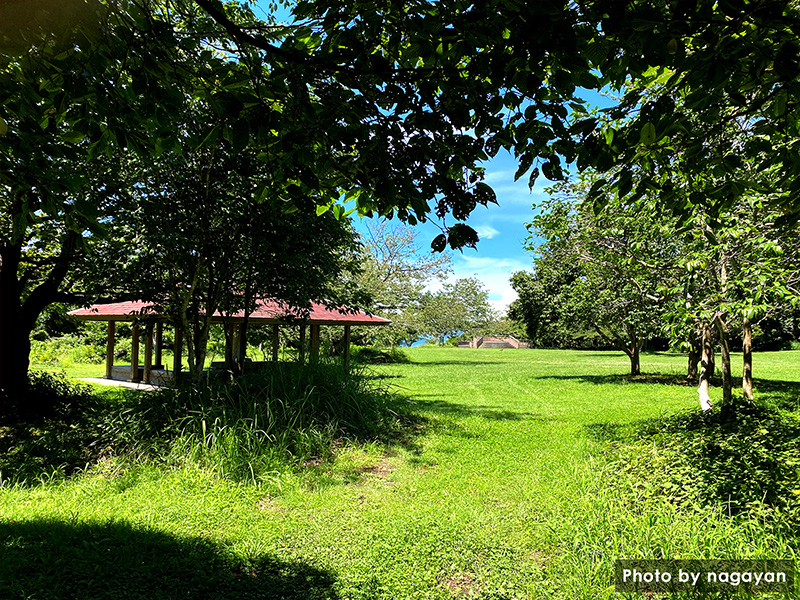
(502, 232)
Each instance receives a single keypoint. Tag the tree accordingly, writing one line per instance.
(58, 128)
(212, 237)
(742, 270)
(596, 271)
(426, 72)
(83, 84)
(395, 105)
(460, 307)
(394, 274)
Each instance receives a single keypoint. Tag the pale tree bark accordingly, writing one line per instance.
(747, 359)
(706, 367)
(727, 379)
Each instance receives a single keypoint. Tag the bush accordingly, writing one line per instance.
(745, 457)
(284, 414)
(65, 350)
(51, 428)
(371, 355)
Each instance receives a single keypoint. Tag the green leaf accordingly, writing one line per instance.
(439, 243)
(648, 134)
(596, 187)
(780, 103)
(462, 235)
(3, 128)
(672, 46)
(211, 137)
(240, 135)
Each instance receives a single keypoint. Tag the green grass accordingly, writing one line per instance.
(516, 474)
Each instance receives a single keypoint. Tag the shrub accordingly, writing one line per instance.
(65, 350)
(51, 427)
(745, 457)
(372, 355)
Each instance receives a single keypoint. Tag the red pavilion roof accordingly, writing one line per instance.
(267, 312)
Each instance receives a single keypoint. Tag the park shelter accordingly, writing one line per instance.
(268, 312)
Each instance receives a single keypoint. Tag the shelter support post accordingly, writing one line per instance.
(314, 350)
(176, 360)
(301, 352)
(112, 329)
(148, 353)
(242, 343)
(276, 340)
(159, 343)
(135, 354)
(346, 350)
(234, 345)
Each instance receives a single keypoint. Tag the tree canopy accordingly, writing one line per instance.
(391, 107)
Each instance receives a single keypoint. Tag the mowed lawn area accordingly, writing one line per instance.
(518, 474)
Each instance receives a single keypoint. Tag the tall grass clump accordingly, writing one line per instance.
(249, 429)
(286, 414)
(374, 356)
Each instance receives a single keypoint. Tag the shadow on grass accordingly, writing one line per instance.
(55, 559)
(624, 379)
(744, 457)
(785, 393)
(483, 411)
(476, 361)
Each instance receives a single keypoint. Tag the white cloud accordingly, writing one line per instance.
(499, 176)
(486, 232)
(494, 273)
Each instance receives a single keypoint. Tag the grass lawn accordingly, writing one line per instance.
(521, 476)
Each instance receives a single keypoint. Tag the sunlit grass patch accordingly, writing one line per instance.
(487, 474)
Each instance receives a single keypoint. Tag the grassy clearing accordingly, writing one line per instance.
(522, 474)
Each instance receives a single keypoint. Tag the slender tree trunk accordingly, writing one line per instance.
(13, 358)
(196, 337)
(243, 343)
(633, 349)
(230, 338)
(747, 359)
(727, 379)
(706, 362)
(242, 338)
(695, 351)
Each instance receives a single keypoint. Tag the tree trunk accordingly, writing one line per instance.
(695, 350)
(15, 346)
(706, 368)
(634, 356)
(747, 359)
(242, 354)
(727, 379)
(15, 330)
(196, 337)
(230, 338)
(197, 357)
(633, 350)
